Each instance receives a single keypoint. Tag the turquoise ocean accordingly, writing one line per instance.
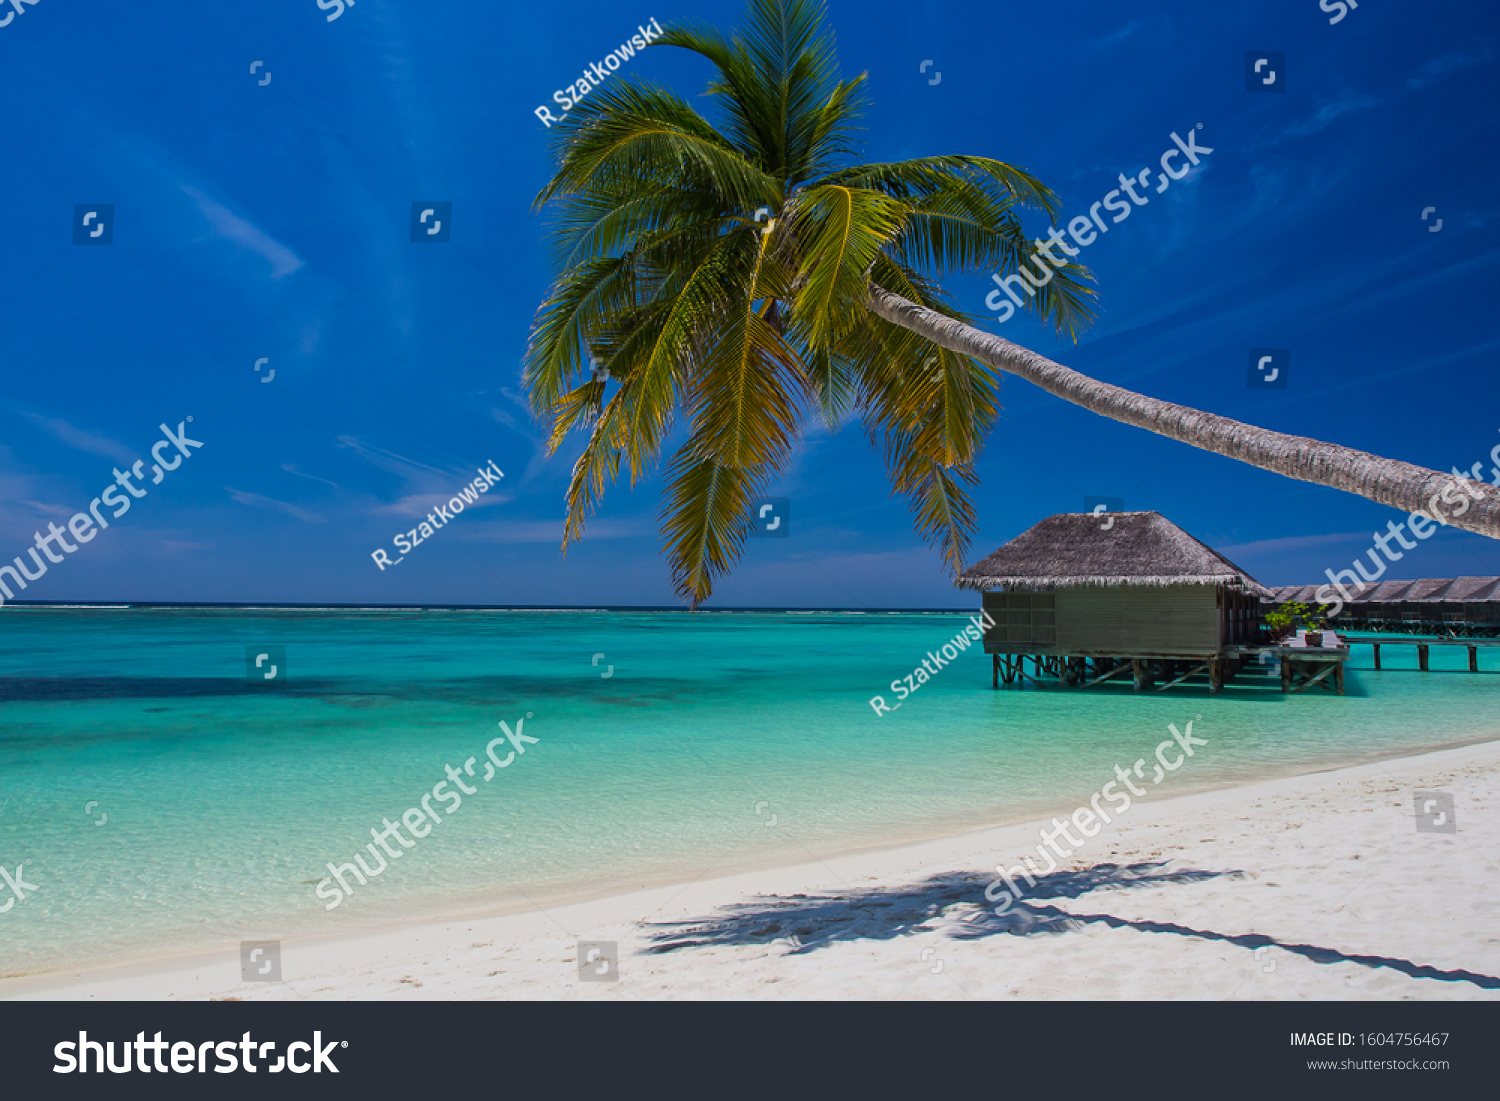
(163, 805)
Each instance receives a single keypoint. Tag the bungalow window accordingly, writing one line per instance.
(1027, 617)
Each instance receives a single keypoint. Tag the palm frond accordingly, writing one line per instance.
(704, 518)
(840, 231)
(584, 300)
(930, 175)
(633, 131)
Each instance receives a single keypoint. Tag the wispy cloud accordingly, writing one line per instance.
(50, 510)
(551, 531)
(1295, 542)
(1159, 24)
(256, 499)
(228, 224)
(82, 440)
(1429, 72)
(1347, 101)
(424, 486)
(390, 462)
(1325, 115)
(290, 469)
(182, 545)
(419, 505)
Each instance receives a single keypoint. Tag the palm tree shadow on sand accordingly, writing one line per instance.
(811, 922)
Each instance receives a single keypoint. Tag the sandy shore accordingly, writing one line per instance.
(1316, 886)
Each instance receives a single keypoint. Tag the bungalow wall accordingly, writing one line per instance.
(1114, 621)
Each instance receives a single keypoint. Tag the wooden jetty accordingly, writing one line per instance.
(1424, 647)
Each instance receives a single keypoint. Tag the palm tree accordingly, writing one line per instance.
(742, 279)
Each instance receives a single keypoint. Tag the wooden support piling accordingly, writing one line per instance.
(1114, 670)
(1334, 667)
(1192, 670)
(1377, 655)
(1299, 669)
(1473, 659)
(1422, 653)
(1022, 676)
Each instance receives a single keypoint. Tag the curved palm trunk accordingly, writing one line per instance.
(1400, 485)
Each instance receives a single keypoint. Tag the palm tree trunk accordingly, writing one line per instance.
(1388, 481)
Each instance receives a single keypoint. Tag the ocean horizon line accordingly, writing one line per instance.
(114, 605)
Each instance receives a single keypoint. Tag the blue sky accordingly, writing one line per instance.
(271, 221)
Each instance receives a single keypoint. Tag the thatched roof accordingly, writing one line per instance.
(1453, 590)
(1073, 549)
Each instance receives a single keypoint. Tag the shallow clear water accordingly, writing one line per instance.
(225, 803)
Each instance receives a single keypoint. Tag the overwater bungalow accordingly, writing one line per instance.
(1457, 607)
(1452, 611)
(1089, 598)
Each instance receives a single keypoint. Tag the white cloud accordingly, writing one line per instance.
(551, 531)
(283, 260)
(1324, 116)
(392, 463)
(1295, 542)
(419, 505)
(268, 502)
(290, 469)
(82, 440)
(1430, 71)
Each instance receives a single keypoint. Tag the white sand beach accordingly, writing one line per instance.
(1310, 887)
